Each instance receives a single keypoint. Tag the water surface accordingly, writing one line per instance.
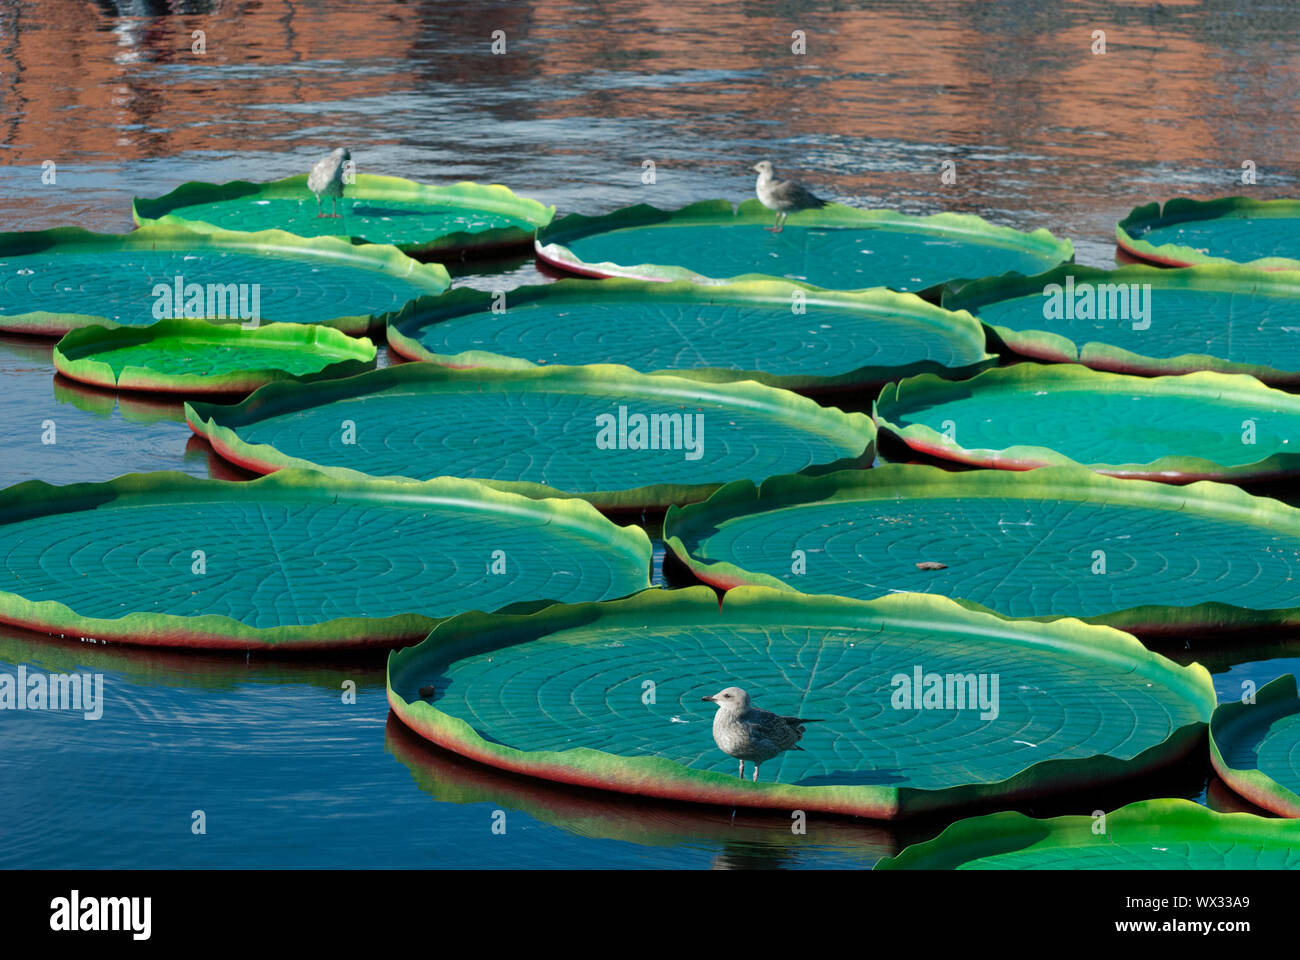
(1041, 132)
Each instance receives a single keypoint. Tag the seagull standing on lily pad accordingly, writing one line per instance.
(326, 179)
(783, 196)
(747, 733)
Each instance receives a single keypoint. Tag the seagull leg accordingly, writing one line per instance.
(319, 212)
(333, 210)
(742, 769)
(756, 772)
(776, 225)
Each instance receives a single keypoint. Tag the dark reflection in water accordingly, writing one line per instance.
(1042, 132)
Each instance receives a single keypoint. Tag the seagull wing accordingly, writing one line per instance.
(319, 177)
(796, 195)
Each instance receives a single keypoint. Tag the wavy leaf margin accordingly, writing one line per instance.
(665, 779)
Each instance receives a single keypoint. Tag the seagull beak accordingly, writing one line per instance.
(708, 698)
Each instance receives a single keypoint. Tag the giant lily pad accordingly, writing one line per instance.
(1259, 233)
(839, 247)
(1223, 318)
(1254, 747)
(1166, 834)
(1176, 429)
(539, 432)
(560, 694)
(1058, 541)
(419, 219)
(294, 561)
(195, 356)
(53, 281)
(779, 333)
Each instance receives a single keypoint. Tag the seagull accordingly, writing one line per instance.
(326, 178)
(783, 196)
(748, 733)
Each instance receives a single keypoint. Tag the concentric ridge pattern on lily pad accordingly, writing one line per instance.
(417, 218)
(1200, 426)
(558, 694)
(1243, 230)
(1166, 834)
(777, 332)
(294, 561)
(53, 281)
(838, 247)
(1057, 541)
(540, 431)
(1218, 317)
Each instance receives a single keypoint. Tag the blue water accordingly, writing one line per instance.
(1043, 134)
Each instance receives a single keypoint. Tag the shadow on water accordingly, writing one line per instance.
(1042, 134)
(747, 838)
(198, 669)
(134, 407)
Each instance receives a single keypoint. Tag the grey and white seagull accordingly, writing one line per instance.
(747, 733)
(783, 196)
(326, 179)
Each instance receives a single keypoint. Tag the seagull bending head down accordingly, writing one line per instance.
(326, 179)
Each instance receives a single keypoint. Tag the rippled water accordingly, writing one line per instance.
(1043, 133)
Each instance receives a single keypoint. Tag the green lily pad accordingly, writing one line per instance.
(539, 432)
(417, 218)
(561, 694)
(294, 561)
(837, 247)
(1201, 426)
(1057, 541)
(53, 281)
(195, 356)
(1222, 318)
(779, 333)
(1254, 746)
(1166, 834)
(1259, 233)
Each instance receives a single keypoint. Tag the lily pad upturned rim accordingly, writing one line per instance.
(1011, 832)
(916, 481)
(667, 779)
(1184, 209)
(1052, 347)
(35, 498)
(218, 423)
(1276, 699)
(176, 236)
(404, 326)
(551, 242)
(1172, 468)
(356, 355)
(492, 198)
